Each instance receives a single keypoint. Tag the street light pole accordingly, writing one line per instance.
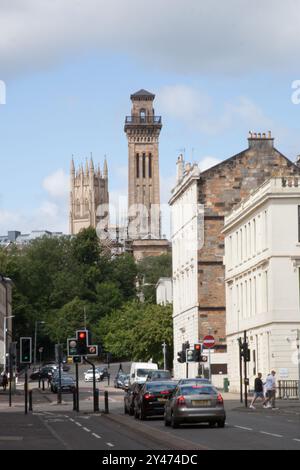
(5, 337)
(164, 345)
(35, 340)
(298, 359)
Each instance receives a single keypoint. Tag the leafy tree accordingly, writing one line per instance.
(150, 269)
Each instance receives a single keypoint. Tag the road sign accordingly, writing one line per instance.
(41, 349)
(92, 350)
(208, 341)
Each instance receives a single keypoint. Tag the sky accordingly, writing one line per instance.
(68, 67)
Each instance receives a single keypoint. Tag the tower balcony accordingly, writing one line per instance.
(142, 121)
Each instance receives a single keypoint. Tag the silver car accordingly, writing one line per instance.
(200, 403)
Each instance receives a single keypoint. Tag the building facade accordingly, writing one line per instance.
(262, 260)
(14, 237)
(5, 318)
(89, 192)
(164, 291)
(142, 129)
(198, 274)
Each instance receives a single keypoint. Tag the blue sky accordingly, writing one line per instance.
(69, 75)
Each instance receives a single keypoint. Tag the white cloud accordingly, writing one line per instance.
(198, 111)
(57, 184)
(208, 162)
(182, 35)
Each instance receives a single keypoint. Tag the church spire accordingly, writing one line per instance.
(105, 169)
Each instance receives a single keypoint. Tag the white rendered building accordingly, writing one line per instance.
(164, 291)
(262, 260)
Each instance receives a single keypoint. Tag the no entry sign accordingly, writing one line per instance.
(208, 341)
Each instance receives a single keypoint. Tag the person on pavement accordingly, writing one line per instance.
(258, 390)
(270, 391)
(4, 381)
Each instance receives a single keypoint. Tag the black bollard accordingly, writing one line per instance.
(74, 400)
(39, 382)
(96, 400)
(43, 385)
(106, 410)
(108, 379)
(30, 400)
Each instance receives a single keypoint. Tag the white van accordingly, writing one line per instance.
(140, 370)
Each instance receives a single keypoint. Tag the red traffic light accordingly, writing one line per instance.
(198, 347)
(82, 335)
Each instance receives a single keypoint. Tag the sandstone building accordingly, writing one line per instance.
(89, 190)
(198, 271)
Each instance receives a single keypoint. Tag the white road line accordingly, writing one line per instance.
(86, 429)
(78, 424)
(73, 420)
(96, 435)
(297, 440)
(110, 444)
(245, 429)
(270, 434)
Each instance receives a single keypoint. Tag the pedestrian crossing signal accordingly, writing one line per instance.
(25, 350)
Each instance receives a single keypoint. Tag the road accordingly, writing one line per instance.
(52, 426)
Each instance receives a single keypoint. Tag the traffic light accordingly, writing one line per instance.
(181, 356)
(197, 352)
(25, 350)
(245, 352)
(82, 342)
(189, 355)
(72, 346)
(77, 359)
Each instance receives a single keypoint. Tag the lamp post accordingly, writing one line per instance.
(35, 339)
(5, 338)
(298, 359)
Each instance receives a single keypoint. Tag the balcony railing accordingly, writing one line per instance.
(143, 120)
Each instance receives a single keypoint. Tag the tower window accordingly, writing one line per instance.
(137, 160)
(143, 115)
(144, 165)
(150, 165)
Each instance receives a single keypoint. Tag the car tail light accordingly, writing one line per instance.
(181, 401)
(148, 396)
(220, 399)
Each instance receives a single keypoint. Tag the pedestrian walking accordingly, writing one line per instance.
(258, 390)
(4, 381)
(270, 391)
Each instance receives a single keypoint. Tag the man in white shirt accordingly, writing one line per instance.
(270, 387)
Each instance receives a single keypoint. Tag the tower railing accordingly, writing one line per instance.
(143, 120)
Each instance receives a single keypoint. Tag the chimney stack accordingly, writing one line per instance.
(260, 140)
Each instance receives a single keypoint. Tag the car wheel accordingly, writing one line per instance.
(142, 415)
(167, 422)
(212, 424)
(174, 422)
(221, 424)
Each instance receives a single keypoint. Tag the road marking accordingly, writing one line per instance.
(78, 424)
(73, 420)
(11, 438)
(96, 435)
(297, 440)
(244, 428)
(110, 444)
(270, 434)
(86, 429)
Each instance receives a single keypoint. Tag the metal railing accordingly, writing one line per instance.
(287, 389)
(143, 120)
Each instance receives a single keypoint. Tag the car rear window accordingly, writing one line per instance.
(158, 387)
(198, 390)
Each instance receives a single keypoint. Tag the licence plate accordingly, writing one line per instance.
(201, 403)
(163, 400)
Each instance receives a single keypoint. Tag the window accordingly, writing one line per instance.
(137, 162)
(143, 115)
(150, 165)
(144, 165)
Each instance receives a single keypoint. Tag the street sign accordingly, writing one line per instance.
(208, 341)
(92, 350)
(41, 349)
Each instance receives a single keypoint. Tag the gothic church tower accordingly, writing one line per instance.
(89, 189)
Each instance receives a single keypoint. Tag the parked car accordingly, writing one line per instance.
(159, 375)
(152, 398)
(88, 375)
(130, 396)
(103, 371)
(67, 384)
(43, 373)
(200, 403)
(121, 380)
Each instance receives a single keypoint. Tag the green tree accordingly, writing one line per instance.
(150, 269)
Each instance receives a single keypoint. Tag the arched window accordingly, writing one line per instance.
(143, 115)
(77, 207)
(144, 165)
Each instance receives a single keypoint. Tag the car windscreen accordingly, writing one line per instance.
(143, 372)
(198, 390)
(158, 387)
